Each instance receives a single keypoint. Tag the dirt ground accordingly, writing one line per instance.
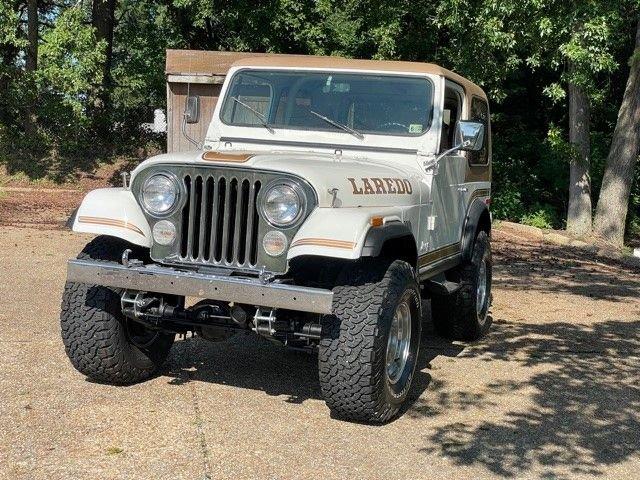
(551, 392)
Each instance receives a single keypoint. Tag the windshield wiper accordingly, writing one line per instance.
(350, 130)
(263, 119)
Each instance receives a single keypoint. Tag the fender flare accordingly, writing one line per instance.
(114, 212)
(377, 236)
(473, 220)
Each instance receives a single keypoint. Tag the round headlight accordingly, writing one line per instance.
(159, 194)
(282, 205)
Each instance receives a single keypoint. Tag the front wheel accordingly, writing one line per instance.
(369, 346)
(99, 340)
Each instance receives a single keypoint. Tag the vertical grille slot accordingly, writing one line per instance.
(207, 218)
(252, 227)
(241, 229)
(220, 221)
(184, 244)
(196, 218)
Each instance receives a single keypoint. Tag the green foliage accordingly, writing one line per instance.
(541, 216)
(507, 204)
(9, 18)
(70, 61)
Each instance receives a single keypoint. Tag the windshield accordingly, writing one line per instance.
(328, 101)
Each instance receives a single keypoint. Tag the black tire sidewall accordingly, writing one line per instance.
(482, 250)
(353, 347)
(456, 316)
(396, 393)
(95, 331)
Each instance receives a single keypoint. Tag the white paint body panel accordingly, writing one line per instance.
(114, 212)
(349, 225)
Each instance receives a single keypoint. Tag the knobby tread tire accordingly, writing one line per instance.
(455, 316)
(353, 344)
(94, 330)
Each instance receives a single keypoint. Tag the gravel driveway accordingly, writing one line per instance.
(552, 392)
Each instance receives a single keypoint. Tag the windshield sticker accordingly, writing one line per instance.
(415, 128)
(381, 186)
(327, 85)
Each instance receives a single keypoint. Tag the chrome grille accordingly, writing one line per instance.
(220, 220)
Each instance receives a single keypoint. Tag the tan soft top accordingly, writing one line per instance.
(333, 63)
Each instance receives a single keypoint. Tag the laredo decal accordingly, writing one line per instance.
(381, 186)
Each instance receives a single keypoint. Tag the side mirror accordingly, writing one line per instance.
(470, 135)
(192, 109)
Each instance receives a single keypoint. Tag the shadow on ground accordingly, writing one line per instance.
(584, 413)
(251, 362)
(552, 268)
(583, 401)
(246, 361)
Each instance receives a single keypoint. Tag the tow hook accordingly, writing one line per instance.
(127, 262)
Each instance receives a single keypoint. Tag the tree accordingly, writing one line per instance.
(611, 212)
(579, 211)
(32, 36)
(102, 21)
(31, 64)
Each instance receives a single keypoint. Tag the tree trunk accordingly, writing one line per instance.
(611, 212)
(579, 212)
(102, 20)
(31, 62)
(32, 36)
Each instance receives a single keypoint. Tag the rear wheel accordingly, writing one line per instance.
(464, 314)
(99, 340)
(369, 347)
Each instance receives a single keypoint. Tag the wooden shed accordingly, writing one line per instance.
(196, 73)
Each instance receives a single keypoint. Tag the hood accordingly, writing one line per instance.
(360, 182)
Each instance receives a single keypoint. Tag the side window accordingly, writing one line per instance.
(450, 115)
(480, 113)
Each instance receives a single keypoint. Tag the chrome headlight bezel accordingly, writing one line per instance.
(302, 203)
(177, 191)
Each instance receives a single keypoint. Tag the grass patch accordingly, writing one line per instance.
(114, 450)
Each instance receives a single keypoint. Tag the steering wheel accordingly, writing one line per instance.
(394, 126)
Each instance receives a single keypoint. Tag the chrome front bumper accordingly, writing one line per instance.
(158, 279)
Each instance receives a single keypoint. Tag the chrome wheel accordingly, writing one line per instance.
(399, 342)
(481, 292)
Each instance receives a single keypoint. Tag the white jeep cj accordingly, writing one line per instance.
(330, 199)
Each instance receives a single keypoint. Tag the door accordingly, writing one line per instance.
(447, 195)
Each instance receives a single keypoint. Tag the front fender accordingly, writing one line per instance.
(338, 232)
(113, 212)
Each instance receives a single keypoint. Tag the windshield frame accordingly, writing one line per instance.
(405, 75)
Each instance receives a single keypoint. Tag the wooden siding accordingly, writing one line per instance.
(176, 98)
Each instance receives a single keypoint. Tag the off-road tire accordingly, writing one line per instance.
(97, 336)
(456, 316)
(353, 347)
